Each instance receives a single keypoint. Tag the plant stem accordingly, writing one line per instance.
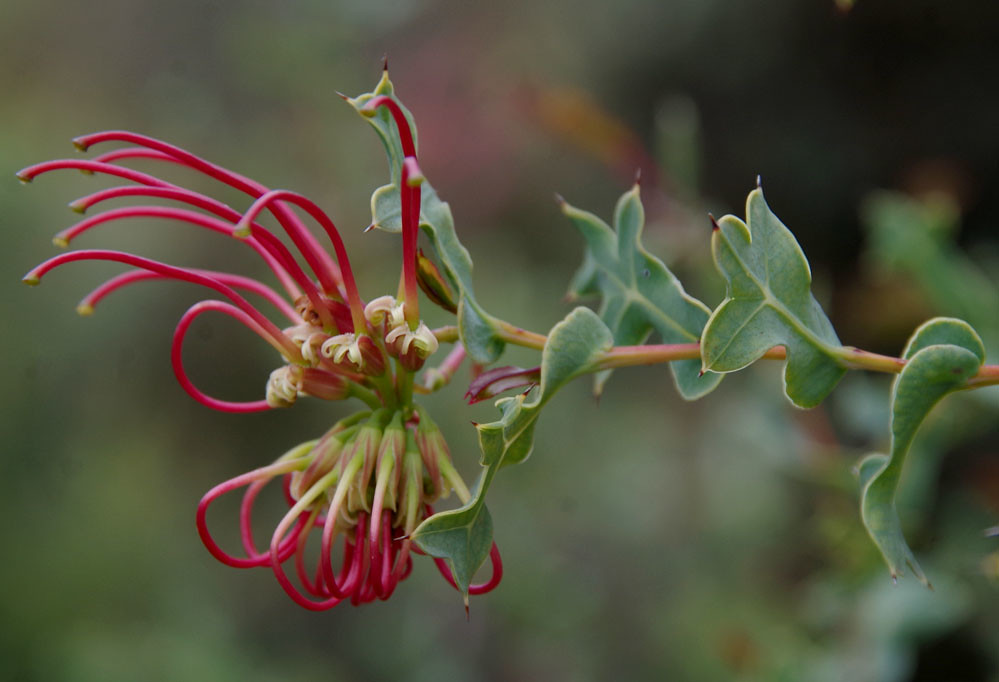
(436, 378)
(447, 334)
(404, 385)
(386, 391)
(365, 395)
(520, 337)
(852, 358)
(634, 356)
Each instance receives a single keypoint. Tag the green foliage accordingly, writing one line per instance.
(463, 536)
(769, 303)
(638, 292)
(941, 355)
(916, 238)
(477, 328)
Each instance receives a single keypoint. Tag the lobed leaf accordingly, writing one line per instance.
(464, 536)
(639, 294)
(941, 355)
(476, 327)
(769, 303)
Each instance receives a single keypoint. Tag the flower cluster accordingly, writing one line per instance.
(371, 479)
(374, 476)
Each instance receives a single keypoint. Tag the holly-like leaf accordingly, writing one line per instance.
(639, 294)
(464, 536)
(769, 303)
(476, 327)
(941, 355)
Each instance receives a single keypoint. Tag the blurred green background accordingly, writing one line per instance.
(647, 538)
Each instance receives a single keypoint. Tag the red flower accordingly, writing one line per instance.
(364, 479)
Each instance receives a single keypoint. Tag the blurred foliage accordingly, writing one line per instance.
(621, 559)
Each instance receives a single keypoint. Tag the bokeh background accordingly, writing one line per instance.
(646, 538)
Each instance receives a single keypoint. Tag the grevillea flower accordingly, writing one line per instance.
(374, 476)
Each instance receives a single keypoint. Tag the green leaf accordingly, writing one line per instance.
(476, 327)
(942, 354)
(769, 303)
(464, 536)
(639, 293)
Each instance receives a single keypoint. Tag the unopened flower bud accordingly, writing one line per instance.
(433, 448)
(388, 470)
(411, 499)
(365, 446)
(283, 386)
(357, 352)
(325, 385)
(326, 453)
(433, 285)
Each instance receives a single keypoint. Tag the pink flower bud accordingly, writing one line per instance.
(325, 385)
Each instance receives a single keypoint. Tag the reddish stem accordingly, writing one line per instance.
(64, 237)
(177, 357)
(87, 166)
(286, 584)
(135, 153)
(272, 243)
(310, 207)
(90, 301)
(257, 477)
(357, 579)
(273, 258)
(410, 200)
(401, 123)
(313, 588)
(270, 332)
(326, 555)
(325, 269)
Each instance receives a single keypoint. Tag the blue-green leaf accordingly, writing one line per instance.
(464, 536)
(769, 303)
(476, 327)
(941, 355)
(639, 294)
